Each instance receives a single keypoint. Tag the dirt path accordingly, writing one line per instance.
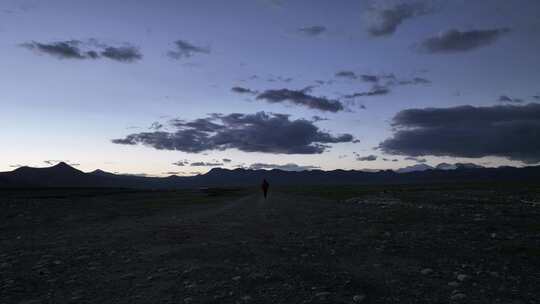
(286, 249)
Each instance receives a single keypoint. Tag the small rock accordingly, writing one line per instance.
(127, 276)
(236, 278)
(30, 302)
(246, 298)
(494, 274)
(322, 294)
(359, 298)
(426, 271)
(458, 297)
(462, 277)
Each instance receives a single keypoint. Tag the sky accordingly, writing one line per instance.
(179, 87)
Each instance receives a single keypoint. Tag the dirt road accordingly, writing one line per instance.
(286, 249)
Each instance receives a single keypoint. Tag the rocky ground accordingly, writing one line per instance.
(437, 245)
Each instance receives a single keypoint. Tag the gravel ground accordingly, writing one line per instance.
(443, 246)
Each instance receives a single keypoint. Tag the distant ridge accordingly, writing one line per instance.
(63, 175)
(99, 172)
(414, 168)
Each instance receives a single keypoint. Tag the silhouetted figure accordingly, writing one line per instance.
(265, 185)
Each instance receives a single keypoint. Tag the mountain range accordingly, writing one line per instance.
(63, 175)
(441, 166)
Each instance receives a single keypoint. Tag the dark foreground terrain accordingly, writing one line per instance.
(437, 244)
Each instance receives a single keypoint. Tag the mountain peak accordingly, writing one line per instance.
(62, 165)
(100, 172)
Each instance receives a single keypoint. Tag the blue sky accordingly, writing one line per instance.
(70, 109)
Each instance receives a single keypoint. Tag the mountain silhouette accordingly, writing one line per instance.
(413, 168)
(64, 175)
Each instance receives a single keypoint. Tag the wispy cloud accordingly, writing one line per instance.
(384, 21)
(453, 41)
(185, 49)
(302, 98)
(79, 50)
(312, 31)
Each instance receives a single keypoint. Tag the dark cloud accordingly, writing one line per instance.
(62, 49)
(315, 30)
(259, 132)
(181, 163)
(318, 118)
(537, 97)
(416, 159)
(385, 21)
(122, 54)
(347, 74)
(370, 78)
(92, 54)
(414, 81)
(156, 126)
(241, 90)
(185, 49)
(286, 167)
(386, 79)
(173, 173)
(279, 78)
(92, 49)
(461, 41)
(52, 162)
(301, 98)
(284, 79)
(376, 91)
(366, 158)
(508, 131)
(206, 164)
(505, 98)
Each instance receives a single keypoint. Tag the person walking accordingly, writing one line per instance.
(265, 185)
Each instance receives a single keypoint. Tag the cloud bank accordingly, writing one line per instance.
(259, 132)
(507, 131)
